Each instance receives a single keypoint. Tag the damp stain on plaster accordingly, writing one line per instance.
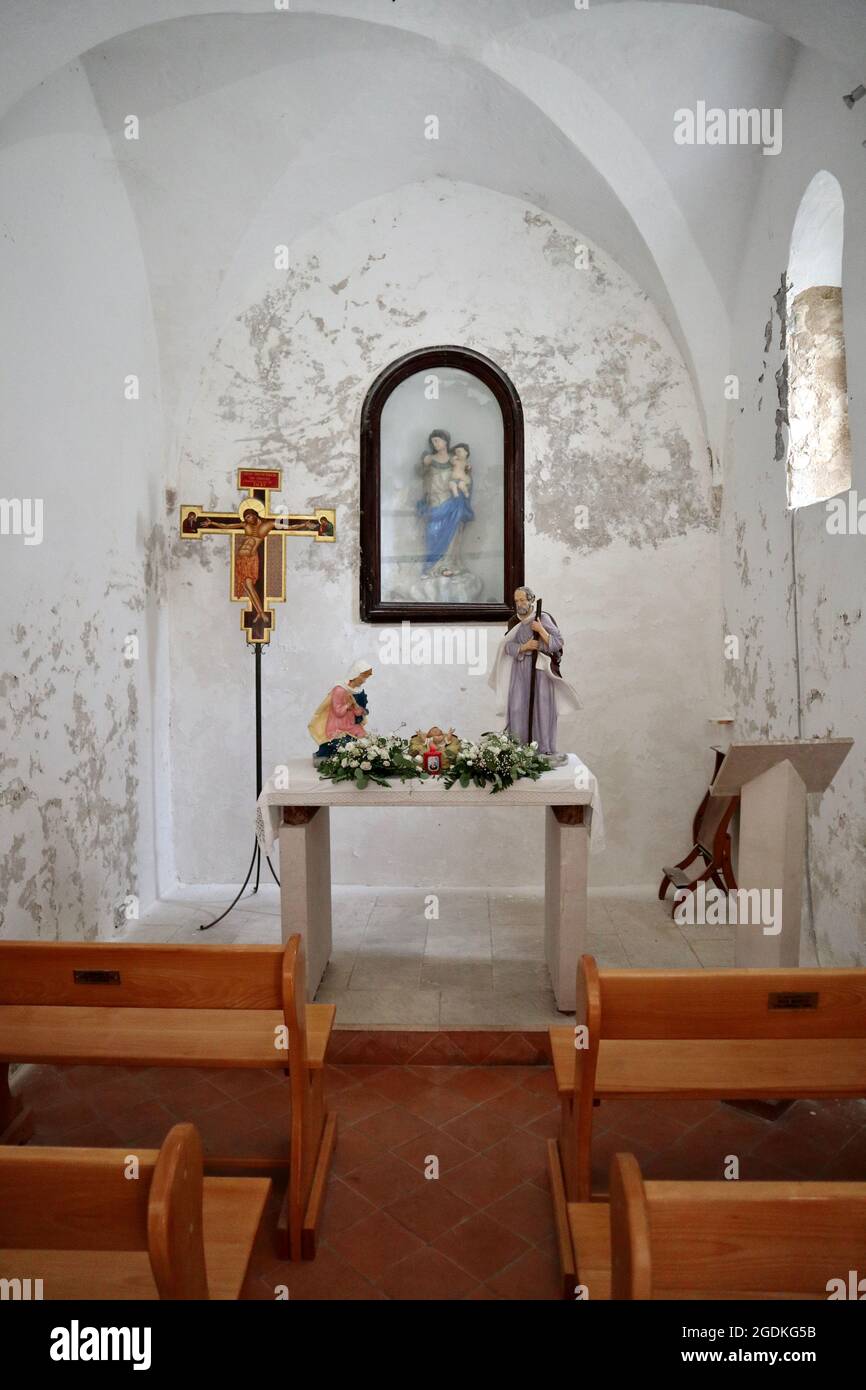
(69, 819)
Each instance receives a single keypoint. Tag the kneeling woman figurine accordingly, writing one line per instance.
(342, 715)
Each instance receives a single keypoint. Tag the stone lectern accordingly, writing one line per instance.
(773, 779)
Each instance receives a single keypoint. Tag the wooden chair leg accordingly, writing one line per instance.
(16, 1121)
(560, 1220)
(301, 1211)
(319, 1186)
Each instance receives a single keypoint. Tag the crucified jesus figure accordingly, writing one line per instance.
(248, 562)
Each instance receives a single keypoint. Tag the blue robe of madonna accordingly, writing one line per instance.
(442, 525)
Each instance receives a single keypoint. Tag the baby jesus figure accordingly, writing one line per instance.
(460, 480)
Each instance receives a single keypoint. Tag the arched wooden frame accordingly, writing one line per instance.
(373, 608)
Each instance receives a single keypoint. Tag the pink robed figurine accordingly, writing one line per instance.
(343, 712)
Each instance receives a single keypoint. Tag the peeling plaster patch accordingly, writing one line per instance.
(69, 856)
(780, 303)
(768, 338)
(781, 411)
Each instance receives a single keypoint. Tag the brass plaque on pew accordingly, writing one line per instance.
(96, 977)
(793, 1000)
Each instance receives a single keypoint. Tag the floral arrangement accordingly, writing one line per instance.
(373, 758)
(496, 760)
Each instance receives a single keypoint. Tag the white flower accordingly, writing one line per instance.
(344, 762)
(365, 766)
(418, 759)
(387, 762)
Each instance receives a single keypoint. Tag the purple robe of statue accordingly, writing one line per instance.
(544, 711)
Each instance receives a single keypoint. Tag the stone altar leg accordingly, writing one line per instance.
(305, 885)
(772, 856)
(565, 875)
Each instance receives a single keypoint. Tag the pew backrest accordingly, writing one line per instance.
(672, 1240)
(722, 1004)
(111, 1200)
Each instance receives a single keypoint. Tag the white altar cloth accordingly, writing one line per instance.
(300, 785)
(295, 807)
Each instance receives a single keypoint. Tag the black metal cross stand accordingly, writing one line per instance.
(256, 861)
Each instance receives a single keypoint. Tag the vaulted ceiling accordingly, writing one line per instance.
(308, 112)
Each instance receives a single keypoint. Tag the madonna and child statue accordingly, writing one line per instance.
(445, 510)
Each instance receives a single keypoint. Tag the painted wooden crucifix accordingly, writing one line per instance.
(257, 577)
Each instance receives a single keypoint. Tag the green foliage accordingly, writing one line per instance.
(496, 761)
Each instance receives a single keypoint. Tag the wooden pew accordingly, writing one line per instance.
(178, 1006)
(719, 1034)
(76, 1221)
(717, 1240)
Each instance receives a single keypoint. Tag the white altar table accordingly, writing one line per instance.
(296, 814)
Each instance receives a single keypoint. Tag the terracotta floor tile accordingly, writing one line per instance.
(399, 1084)
(527, 1211)
(96, 1134)
(237, 1083)
(520, 1153)
(388, 1129)
(799, 1156)
(546, 1126)
(223, 1125)
(353, 1149)
(326, 1277)
(356, 1103)
(269, 1103)
(481, 1083)
(849, 1164)
(431, 1211)
(64, 1110)
(81, 1078)
(338, 1079)
(145, 1125)
(434, 1143)
(533, 1277)
(480, 1128)
(521, 1107)
(481, 1181)
(383, 1178)
(830, 1123)
(189, 1102)
(653, 1129)
(539, 1079)
(427, 1274)
(434, 1076)
(374, 1243)
(439, 1104)
(343, 1207)
(481, 1246)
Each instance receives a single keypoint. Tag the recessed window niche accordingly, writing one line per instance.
(819, 444)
